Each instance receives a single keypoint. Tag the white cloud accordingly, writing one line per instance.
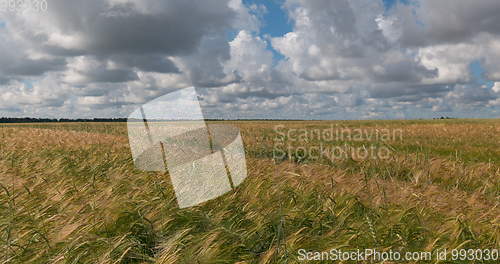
(343, 59)
(249, 57)
(496, 87)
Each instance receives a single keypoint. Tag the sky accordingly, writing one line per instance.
(283, 59)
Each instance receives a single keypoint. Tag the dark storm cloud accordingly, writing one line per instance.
(450, 21)
(473, 94)
(30, 67)
(15, 62)
(149, 63)
(339, 13)
(404, 71)
(135, 35)
(403, 90)
(119, 75)
(172, 27)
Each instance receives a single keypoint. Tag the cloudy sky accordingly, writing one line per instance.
(317, 59)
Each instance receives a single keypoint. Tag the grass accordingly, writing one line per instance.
(69, 193)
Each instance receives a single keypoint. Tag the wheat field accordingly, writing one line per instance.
(69, 193)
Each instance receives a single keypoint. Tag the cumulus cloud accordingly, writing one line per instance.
(464, 20)
(410, 53)
(133, 44)
(343, 59)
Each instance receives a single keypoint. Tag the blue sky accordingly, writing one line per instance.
(276, 23)
(478, 74)
(390, 3)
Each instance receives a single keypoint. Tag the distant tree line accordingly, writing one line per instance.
(66, 120)
(47, 120)
(444, 117)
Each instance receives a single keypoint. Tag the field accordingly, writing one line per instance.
(69, 193)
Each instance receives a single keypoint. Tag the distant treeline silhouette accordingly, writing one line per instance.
(444, 117)
(66, 120)
(48, 120)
